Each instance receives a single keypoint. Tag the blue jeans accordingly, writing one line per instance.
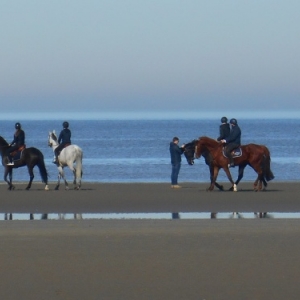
(175, 172)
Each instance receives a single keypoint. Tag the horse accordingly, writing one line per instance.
(189, 153)
(257, 156)
(67, 157)
(30, 157)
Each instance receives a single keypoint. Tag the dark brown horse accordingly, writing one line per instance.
(256, 156)
(30, 157)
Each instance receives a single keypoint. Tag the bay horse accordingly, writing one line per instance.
(30, 157)
(256, 156)
(67, 157)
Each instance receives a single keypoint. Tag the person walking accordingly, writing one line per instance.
(233, 141)
(175, 152)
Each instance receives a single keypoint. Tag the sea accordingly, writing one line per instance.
(128, 151)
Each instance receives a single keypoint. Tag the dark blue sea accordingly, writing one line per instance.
(138, 150)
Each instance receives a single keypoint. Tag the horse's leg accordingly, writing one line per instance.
(214, 178)
(240, 176)
(226, 170)
(60, 175)
(8, 172)
(64, 178)
(211, 170)
(77, 184)
(31, 176)
(259, 179)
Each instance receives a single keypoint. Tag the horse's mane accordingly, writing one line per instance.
(53, 136)
(207, 140)
(3, 142)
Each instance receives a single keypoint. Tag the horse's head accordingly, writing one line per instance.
(52, 139)
(189, 152)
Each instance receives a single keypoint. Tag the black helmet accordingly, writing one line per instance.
(18, 125)
(224, 120)
(65, 124)
(233, 121)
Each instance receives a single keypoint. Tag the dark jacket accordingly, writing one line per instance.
(65, 136)
(19, 138)
(175, 152)
(224, 131)
(234, 136)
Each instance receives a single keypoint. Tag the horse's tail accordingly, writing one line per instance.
(268, 174)
(43, 171)
(79, 164)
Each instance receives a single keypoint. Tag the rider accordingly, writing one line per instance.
(64, 138)
(233, 140)
(18, 141)
(224, 129)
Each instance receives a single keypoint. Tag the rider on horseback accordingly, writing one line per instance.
(233, 141)
(18, 141)
(64, 139)
(224, 129)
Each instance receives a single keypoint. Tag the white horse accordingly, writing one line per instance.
(67, 157)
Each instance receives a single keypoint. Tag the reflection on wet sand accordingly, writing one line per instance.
(150, 216)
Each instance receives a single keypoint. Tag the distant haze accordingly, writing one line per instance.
(152, 59)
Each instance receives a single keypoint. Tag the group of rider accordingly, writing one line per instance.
(230, 137)
(18, 142)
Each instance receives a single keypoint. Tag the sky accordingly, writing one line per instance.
(149, 59)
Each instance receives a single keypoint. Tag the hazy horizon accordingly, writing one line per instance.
(147, 59)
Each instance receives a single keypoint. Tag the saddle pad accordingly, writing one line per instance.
(236, 152)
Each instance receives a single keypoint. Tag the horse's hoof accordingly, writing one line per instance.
(234, 188)
(46, 188)
(57, 188)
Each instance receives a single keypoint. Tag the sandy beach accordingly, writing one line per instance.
(150, 259)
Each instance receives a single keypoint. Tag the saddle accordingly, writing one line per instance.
(65, 146)
(237, 152)
(17, 153)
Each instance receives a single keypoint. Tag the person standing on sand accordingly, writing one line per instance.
(175, 152)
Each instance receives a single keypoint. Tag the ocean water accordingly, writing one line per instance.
(138, 151)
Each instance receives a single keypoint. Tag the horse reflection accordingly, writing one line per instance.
(60, 216)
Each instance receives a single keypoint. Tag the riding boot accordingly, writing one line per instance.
(55, 160)
(231, 163)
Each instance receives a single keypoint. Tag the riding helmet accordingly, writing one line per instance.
(65, 124)
(18, 125)
(233, 121)
(224, 120)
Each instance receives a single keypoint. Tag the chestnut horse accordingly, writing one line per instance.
(256, 156)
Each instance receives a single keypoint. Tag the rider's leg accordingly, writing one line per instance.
(10, 158)
(229, 148)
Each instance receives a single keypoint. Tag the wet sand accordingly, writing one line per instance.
(150, 259)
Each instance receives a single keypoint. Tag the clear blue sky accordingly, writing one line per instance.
(149, 58)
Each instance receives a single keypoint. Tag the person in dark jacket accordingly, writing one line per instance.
(233, 140)
(224, 129)
(64, 139)
(175, 152)
(18, 141)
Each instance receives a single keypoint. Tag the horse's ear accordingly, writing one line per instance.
(53, 131)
